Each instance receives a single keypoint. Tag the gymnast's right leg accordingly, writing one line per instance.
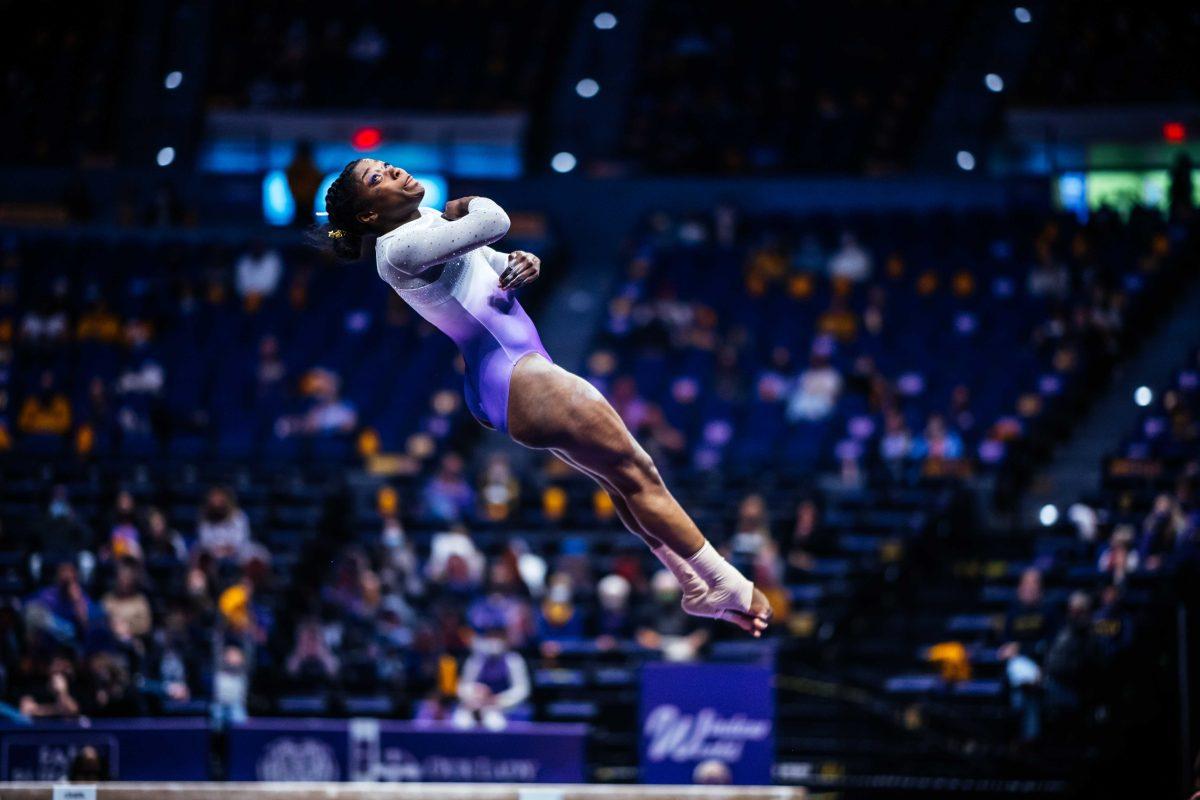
(549, 408)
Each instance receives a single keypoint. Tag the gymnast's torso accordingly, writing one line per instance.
(446, 271)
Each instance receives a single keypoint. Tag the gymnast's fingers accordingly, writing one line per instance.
(518, 280)
(518, 264)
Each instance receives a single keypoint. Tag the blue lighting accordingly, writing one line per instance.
(279, 208)
(465, 159)
(1072, 193)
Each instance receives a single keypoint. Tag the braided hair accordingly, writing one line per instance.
(344, 201)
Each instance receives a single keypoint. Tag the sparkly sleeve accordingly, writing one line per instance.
(496, 260)
(412, 253)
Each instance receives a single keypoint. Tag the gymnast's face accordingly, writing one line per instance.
(391, 193)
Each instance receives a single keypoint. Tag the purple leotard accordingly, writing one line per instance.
(447, 273)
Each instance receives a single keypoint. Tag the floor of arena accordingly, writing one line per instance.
(372, 791)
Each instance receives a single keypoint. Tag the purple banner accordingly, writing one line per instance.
(714, 720)
(373, 750)
(132, 750)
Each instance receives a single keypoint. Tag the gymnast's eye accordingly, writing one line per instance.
(375, 179)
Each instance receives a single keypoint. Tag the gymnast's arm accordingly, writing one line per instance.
(415, 251)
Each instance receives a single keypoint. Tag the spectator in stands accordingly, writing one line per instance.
(628, 402)
(808, 541)
(124, 538)
(815, 393)
(61, 535)
(753, 529)
(1119, 558)
(258, 272)
(304, 179)
(838, 321)
(271, 372)
(1182, 197)
(615, 620)
(1049, 279)
(231, 687)
(126, 603)
(397, 560)
(712, 772)
(161, 540)
(47, 326)
(455, 565)
(46, 412)
(851, 262)
(937, 442)
(140, 383)
(895, 446)
(223, 530)
(1028, 624)
(311, 664)
(448, 497)
(57, 698)
(499, 489)
(176, 656)
(88, 766)
(1112, 625)
(108, 686)
(328, 415)
(1027, 629)
(1072, 658)
(666, 627)
(494, 681)
(65, 602)
(560, 617)
(99, 324)
(961, 415)
(1160, 531)
(765, 267)
(531, 567)
(506, 602)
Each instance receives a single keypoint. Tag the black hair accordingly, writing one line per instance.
(344, 201)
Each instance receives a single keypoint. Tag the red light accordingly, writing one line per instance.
(1174, 132)
(366, 138)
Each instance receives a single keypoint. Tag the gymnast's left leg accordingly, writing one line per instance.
(549, 408)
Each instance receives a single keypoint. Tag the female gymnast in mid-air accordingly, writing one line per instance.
(441, 265)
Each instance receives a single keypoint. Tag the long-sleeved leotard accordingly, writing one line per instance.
(447, 273)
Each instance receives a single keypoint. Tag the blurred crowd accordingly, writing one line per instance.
(130, 615)
(740, 341)
(429, 56)
(846, 90)
(196, 350)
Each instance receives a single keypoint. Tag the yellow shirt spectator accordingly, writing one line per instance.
(45, 416)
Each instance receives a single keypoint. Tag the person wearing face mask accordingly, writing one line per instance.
(399, 561)
(61, 535)
(494, 681)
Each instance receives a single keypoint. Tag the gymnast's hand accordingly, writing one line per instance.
(457, 209)
(522, 268)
